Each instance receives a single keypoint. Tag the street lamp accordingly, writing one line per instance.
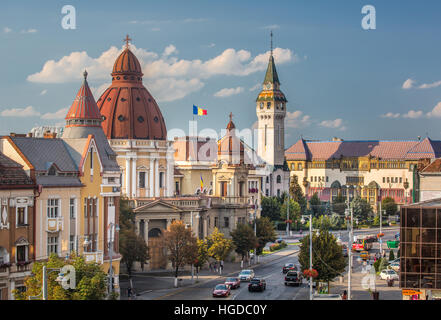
(349, 211)
(110, 227)
(45, 276)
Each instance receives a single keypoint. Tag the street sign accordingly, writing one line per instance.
(407, 292)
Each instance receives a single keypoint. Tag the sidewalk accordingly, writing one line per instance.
(155, 284)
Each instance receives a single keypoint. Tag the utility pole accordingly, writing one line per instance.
(381, 225)
(310, 256)
(287, 217)
(350, 257)
(44, 289)
(111, 262)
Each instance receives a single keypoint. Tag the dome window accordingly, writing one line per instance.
(123, 99)
(132, 78)
(156, 119)
(140, 119)
(139, 78)
(137, 99)
(126, 77)
(103, 117)
(108, 99)
(117, 78)
(120, 117)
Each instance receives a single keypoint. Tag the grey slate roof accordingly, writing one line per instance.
(58, 181)
(43, 152)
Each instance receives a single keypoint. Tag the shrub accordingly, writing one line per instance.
(391, 255)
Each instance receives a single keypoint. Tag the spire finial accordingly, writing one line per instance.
(85, 74)
(271, 35)
(127, 40)
(231, 116)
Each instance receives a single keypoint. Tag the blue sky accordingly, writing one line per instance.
(339, 79)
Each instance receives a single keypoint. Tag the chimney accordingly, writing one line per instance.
(29, 135)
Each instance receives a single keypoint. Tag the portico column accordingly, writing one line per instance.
(134, 189)
(146, 231)
(157, 178)
(168, 223)
(127, 173)
(151, 181)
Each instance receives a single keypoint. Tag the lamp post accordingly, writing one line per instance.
(45, 277)
(287, 216)
(349, 211)
(304, 218)
(110, 227)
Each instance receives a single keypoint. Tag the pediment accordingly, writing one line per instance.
(157, 206)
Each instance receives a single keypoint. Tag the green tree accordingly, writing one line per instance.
(244, 239)
(202, 256)
(391, 255)
(131, 245)
(270, 208)
(361, 209)
(219, 247)
(181, 245)
(316, 205)
(91, 280)
(294, 210)
(339, 204)
(297, 194)
(322, 222)
(388, 204)
(265, 233)
(327, 256)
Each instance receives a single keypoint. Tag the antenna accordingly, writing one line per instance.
(271, 35)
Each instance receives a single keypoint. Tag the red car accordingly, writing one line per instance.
(221, 290)
(288, 267)
(233, 283)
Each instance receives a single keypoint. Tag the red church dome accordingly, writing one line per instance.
(129, 111)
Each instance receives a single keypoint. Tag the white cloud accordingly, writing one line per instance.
(296, 119)
(334, 124)
(436, 111)
(256, 86)
(29, 31)
(169, 50)
(412, 114)
(190, 20)
(42, 93)
(60, 114)
(227, 92)
(155, 29)
(165, 69)
(430, 85)
(20, 112)
(390, 115)
(211, 45)
(408, 84)
(7, 30)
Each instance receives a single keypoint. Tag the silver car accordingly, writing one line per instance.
(246, 275)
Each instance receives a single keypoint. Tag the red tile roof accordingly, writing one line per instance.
(324, 150)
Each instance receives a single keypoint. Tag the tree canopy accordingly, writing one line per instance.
(270, 208)
(294, 210)
(362, 209)
(265, 233)
(327, 256)
(388, 204)
(339, 204)
(316, 205)
(219, 247)
(244, 239)
(91, 280)
(297, 194)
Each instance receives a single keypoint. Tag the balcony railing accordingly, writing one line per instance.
(229, 201)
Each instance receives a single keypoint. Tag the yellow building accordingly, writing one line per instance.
(78, 178)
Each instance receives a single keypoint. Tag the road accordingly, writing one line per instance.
(272, 273)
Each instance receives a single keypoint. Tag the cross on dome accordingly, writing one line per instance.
(127, 40)
(231, 116)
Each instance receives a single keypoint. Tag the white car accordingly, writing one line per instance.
(389, 274)
(246, 275)
(394, 266)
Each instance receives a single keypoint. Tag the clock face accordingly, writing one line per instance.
(268, 86)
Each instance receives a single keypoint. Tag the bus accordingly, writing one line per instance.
(362, 243)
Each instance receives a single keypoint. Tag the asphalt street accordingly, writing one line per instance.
(272, 273)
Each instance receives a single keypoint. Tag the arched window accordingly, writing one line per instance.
(279, 179)
(154, 233)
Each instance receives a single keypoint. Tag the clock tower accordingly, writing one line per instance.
(271, 112)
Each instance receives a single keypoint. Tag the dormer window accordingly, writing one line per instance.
(52, 171)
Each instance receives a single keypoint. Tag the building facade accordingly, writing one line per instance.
(372, 169)
(17, 226)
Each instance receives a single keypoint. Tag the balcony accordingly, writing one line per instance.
(229, 201)
(54, 224)
(96, 256)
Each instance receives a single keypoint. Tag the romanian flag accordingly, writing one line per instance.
(199, 111)
(202, 184)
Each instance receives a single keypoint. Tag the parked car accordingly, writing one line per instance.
(246, 275)
(257, 284)
(289, 266)
(389, 274)
(293, 278)
(279, 240)
(221, 290)
(234, 283)
(333, 296)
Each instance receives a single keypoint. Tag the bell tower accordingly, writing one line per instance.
(271, 112)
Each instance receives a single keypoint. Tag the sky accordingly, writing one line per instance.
(340, 80)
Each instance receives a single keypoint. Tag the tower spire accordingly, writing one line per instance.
(127, 41)
(271, 36)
